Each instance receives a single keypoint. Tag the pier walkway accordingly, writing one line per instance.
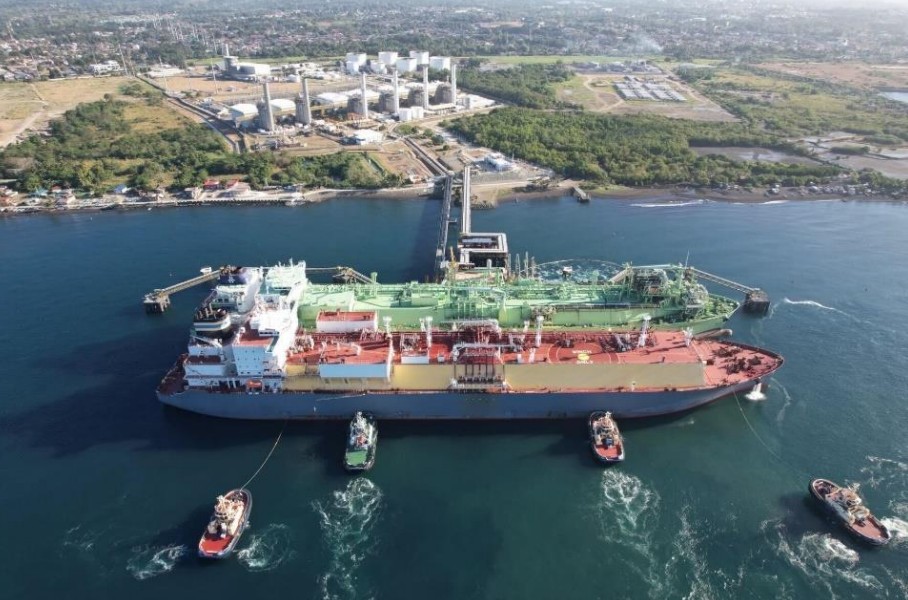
(158, 301)
(756, 301)
(444, 221)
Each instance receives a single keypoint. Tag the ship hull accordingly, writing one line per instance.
(446, 405)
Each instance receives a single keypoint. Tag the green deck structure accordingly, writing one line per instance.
(669, 294)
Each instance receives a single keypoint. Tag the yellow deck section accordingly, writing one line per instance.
(519, 377)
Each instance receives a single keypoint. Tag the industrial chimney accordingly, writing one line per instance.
(425, 87)
(303, 110)
(267, 113)
(362, 85)
(396, 94)
(454, 82)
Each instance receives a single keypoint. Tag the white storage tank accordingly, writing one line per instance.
(422, 58)
(387, 58)
(406, 65)
(440, 63)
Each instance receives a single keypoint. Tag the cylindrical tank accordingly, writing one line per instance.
(417, 96)
(355, 105)
(444, 94)
(386, 102)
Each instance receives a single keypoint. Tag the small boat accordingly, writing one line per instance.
(847, 507)
(230, 519)
(205, 270)
(360, 452)
(605, 438)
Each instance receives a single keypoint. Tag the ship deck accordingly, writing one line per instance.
(721, 363)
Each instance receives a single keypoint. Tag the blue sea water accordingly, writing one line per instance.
(105, 492)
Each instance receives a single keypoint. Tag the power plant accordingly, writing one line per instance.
(411, 99)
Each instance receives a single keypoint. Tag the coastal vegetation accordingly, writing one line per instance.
(792, 106)
(99, 145)
(529, 85)
(634, 150)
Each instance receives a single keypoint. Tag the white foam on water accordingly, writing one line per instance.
(687, 563)
(267, 549)
(885, 471)
(347, 521)
(823, 560)
(814, 304)
(781, 416)
(685, 423)
(79, 540)
(670, 204)
(898, 528)
(628, 513)
(771, 202)
(150, 561)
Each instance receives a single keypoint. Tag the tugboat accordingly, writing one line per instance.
(230, 519)
(360, 453)
(846, 506)
(605, 439)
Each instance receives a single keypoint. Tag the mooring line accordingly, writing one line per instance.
(778, 457)
(267, 458)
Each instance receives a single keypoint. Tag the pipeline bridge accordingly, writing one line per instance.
(158, 301)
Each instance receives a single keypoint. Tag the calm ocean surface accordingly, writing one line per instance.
(104, 491)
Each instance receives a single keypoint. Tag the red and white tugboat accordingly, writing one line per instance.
(847, 507)
(605, 439)
(230, 519)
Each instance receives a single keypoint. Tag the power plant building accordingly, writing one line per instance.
(243, 113)
(411, 114)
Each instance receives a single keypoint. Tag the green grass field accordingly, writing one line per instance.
(551, 59)
(574, 91)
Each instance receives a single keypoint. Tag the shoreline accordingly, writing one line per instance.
(671, 195)
(485, 199)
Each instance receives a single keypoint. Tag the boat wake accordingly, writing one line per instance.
(814, 304)
(347, 521)
(771, 202)
(670, 204)
(268, 549)
(150, 561)
(688, 569)
(822, 559)
(628, 513)
(898, 528)
(80, 541)
(788, 401)
(884, 472)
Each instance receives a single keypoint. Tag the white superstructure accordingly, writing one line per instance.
(254, 355)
